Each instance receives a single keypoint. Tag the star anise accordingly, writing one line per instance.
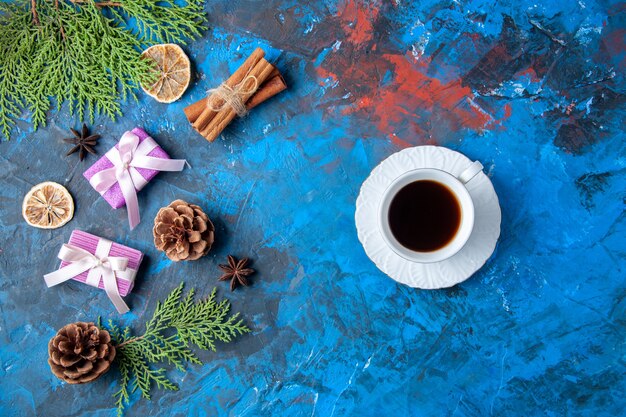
(83, 141)
(236, 272)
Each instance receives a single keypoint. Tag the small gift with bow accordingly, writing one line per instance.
(127, 168)
(255, 81)
(100, 263)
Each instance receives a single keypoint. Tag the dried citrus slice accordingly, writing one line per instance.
(48, 205)
(173, 72)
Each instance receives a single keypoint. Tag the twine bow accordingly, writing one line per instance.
(100, 267)
(130, 156)
(233, 96)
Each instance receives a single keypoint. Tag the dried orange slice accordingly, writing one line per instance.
(173, 72)
(48, 205)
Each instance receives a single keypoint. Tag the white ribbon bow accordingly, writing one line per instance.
(130, 156)
(100, 266)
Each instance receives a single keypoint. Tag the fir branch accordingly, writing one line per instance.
(83, 53)
(178, 323)
(123, 396)
(33, 6)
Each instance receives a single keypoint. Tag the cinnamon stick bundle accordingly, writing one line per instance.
(255, 81)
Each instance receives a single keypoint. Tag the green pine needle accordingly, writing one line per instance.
(177, 324)
(83, 52)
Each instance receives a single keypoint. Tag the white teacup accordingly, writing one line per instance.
(456, 185)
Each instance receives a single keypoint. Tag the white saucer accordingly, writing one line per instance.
(459, 267)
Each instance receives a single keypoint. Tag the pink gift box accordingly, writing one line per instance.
(114, 194)
(89, 243)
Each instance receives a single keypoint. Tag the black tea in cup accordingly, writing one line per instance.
(424, 216)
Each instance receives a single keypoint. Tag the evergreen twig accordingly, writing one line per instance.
(177, 324)
(83, 52)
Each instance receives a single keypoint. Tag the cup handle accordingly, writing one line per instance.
(470, 172)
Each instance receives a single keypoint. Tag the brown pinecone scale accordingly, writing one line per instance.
(80, 352)
(183, 231)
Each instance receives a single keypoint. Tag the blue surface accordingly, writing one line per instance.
(534, 90)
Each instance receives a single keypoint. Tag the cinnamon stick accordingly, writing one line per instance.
(210, 123)
(274, 85)
(207, 114)
(217, 124)
(193, 111)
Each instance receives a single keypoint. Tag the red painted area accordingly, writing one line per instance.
(498, 124)
(401, 143)
(530, 72)
(324, 74)
(412, 92)
(508, 110)
(358, 21)
(409, 100)
(391, 89)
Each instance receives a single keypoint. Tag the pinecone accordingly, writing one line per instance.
(183, 231)
(80, 352)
